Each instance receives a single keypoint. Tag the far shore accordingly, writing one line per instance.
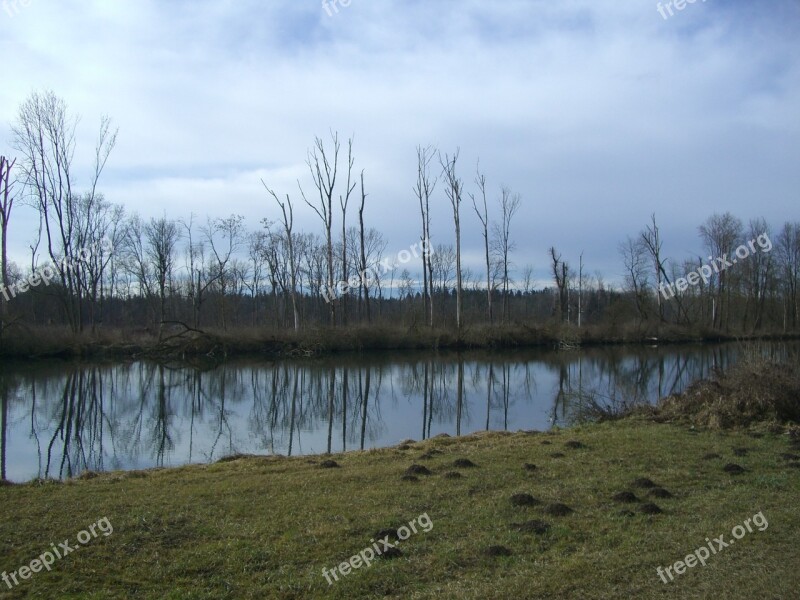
(181, 342)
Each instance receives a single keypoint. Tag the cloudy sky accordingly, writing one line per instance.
(598, 112)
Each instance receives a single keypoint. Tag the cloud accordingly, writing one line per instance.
(598, 112)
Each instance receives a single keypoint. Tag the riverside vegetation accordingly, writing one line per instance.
(588, 512)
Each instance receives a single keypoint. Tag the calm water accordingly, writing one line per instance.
(60, 418)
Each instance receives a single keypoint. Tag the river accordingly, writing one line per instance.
(62, 418)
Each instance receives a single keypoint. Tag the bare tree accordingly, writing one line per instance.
(561, 275)
(224, 237)
(788, 258)
(287, 211)
(758, 277)
(527, 283)
(256, 243)
(509, 205)
(454, 191)
(651, 238)
(423, 190)
(136, 260)
(634, 259)
(343, 202)
(44, 134)
(6, 204)
(721, 234)
(363, 262)
(323, 168)
(483, 217)
(162, 239)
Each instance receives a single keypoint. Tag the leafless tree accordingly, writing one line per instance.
(788, 259)
(162, 239)
(343, 202)
(758, 277)
(634, 259)
(323, 165)
(6, 205)
(509, 205)
(528, 284)
(483, 217)
(136, 259)
(423, 190)
(224, 237)
(256, 243)
(651, 238)
(721, 234)
(363, 262)
(287, 211)
(44, 134)
(454, 192)
(561, 275)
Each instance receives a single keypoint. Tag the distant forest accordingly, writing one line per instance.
(95, 266)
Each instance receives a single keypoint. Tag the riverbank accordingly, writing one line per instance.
(179, 341)
(590, 512)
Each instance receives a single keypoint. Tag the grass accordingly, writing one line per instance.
(265, 527)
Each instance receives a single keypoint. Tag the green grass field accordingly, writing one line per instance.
(266, 527)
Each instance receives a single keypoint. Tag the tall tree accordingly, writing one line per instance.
(323, 165)
(44, 134)
(454, 192)
(6, 204)
(162, 239)
(788, 258)
(721, 234)
(651, 238)
(509, 205)
(287, 211)
(224, 237)
(561, 276)
(344, 200)
(423, 190)
(363, 261)
(483, 217)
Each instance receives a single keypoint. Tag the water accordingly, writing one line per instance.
(62, 418)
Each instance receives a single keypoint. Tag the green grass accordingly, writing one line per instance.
(266, 527)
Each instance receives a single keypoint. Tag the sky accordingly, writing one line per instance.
(598, 113)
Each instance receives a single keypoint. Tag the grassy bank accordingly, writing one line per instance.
(257, 527)
(179, 342)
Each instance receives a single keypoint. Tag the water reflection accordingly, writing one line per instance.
(59, 419)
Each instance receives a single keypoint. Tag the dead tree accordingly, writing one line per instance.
(483, 217)
(363, 274)
(6, 204)
(288, 225)
(454, 192)
(509, 205)
(561, 275)
(343, 202)
(323, 170)
(423, 190)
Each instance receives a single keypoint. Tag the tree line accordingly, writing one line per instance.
(214, 272)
